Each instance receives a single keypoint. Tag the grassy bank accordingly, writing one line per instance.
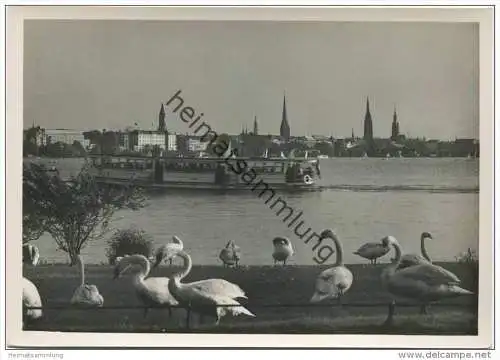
(287, 287)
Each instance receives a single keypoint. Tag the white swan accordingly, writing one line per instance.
(414, 259)
(31, 298)
(282, 249)
(335, 281)
(169, 250)
(85, 294)
(153, 291)
(424, 282)
(372, 251)
(31, 255)
(204, 296)
(231, 254)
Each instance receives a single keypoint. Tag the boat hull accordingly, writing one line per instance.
(208, 186)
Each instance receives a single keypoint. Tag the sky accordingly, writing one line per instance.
(110, 74)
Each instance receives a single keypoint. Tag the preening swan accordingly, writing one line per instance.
(169, 250)
(153, 291)
(31, 255)
(372, 251)
(204, 296)
(86, 295)
(282, 249)
(333, 282)
(413, 259)
(231, 254)
(424, 282)
(31, 298)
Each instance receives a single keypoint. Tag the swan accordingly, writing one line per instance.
(424, 282)
(231, 254)
(86, 295)
(372, 251)
(31, 298)
(413, 259)
(282, 249)
(335, 281)
(153, 291)
(31, 255)
(168, 251)
(203, 296)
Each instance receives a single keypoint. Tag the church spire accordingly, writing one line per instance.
(368, 125)
(255, 126)
(161, 119)
(285, 127)
(395, 125)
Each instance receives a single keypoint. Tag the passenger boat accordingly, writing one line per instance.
(205, 173)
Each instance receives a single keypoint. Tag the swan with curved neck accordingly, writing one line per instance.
(335, 281)
(231, 254)
(414, 259)
(153, 291)
(282, 249)
(85, 294)
(425, 282)
(31, 255)
(204, 296)
(168, 251)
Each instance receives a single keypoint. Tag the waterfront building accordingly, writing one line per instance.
(138, 139)
(66, 136)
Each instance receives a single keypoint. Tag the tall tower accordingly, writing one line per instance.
(368, 129)
(395, 126)
(255, 126)
(285, 127)
(162, 126)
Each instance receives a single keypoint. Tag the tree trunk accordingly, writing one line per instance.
(73, 257)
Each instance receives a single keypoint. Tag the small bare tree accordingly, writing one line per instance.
(76, 211)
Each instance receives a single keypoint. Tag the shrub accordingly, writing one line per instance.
(468, 257)
(129, 242)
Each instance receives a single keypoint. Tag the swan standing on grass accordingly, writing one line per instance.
(231, 254)
(413, 259)
(333, 282)
(282, 249)
(203, 296)
(424, 282)
(31, 296)
(372, 251)
(31, 255)
(169, 250)
(85, 294)
(153, 291)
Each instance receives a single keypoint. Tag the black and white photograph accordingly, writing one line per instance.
(302, 175)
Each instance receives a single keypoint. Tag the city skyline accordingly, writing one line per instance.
(104, 75)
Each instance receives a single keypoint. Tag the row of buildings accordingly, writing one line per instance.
(250, 143)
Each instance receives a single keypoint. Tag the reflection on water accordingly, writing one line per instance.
(205, 221)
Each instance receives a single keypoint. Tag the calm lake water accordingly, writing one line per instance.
(398, 203)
